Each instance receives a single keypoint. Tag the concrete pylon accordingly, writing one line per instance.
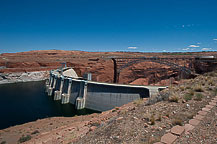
(66, 96)
(80, 101)
(50, 77)
(58, 93)
(47, 85)
(154, 91)
(52, 87)
(49, 82)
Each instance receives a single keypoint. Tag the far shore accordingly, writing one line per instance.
(19, 81)
(18, 77)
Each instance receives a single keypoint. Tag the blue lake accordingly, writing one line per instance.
(25, 102)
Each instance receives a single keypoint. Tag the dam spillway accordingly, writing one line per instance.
(66, 86)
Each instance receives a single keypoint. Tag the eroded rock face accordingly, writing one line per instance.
(23, 77)
(149, 73)
(204, 67)
(144, 73)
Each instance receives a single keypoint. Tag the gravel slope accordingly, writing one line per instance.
(204, 133)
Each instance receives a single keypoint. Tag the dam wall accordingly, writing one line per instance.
(94, 95)
(104, 97)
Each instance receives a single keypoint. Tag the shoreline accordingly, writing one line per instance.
(19, 77)
(19, 81)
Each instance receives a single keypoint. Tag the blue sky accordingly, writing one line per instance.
(108, 25)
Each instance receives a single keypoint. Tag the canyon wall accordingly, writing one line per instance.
(144, 73)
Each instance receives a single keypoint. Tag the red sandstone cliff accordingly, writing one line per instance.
(144, 73)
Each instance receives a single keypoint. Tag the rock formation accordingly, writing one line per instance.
(145, 73)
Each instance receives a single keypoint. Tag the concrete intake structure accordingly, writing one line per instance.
(94, 95)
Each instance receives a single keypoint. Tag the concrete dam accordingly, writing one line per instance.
(66, 86)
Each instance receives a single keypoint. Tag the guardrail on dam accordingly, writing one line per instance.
(66, 86)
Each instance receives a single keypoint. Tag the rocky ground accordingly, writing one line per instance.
(147, 124)
(142, 121)
(204, 133)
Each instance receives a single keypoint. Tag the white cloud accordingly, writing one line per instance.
(188, 25)
(132, 47)
(205, 49)
(164, 50)
(194, 46)
(185, 49)
(198, 43)
(215, 39)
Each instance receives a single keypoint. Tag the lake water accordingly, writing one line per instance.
(25, 102)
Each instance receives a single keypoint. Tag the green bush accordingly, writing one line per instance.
(189, 115)
(177, 121)
(198, 97)
(212, 74)
(182, 88)
(152, 119)
(188, 96)
(138, 102)
(3, 142)
(174, 99)
(24, 138)
(198, 88)
(215, 91)
(191, 92)
(35, 132)
(211, 82)
(159, 117)
(188, 87)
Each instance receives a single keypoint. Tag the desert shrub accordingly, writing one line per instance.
(188, 87)
(215, 91)
(24, 138)
(182, 88)
(97, 124)
(188, 96)
(153, 140)
(115, 109)
(35, 132)
(212, 74)
(206, 78)
(138, 101)
(177, 121)
(3, 142)
(168, 115)
(164, 95)
(198, 88)
(189, 115)
(209, 88)
(174, 99)
(198, 97)
(123, 112)
(171, 87)
(211, 82)
(159, 117)
(152, 119)
(191, 92)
